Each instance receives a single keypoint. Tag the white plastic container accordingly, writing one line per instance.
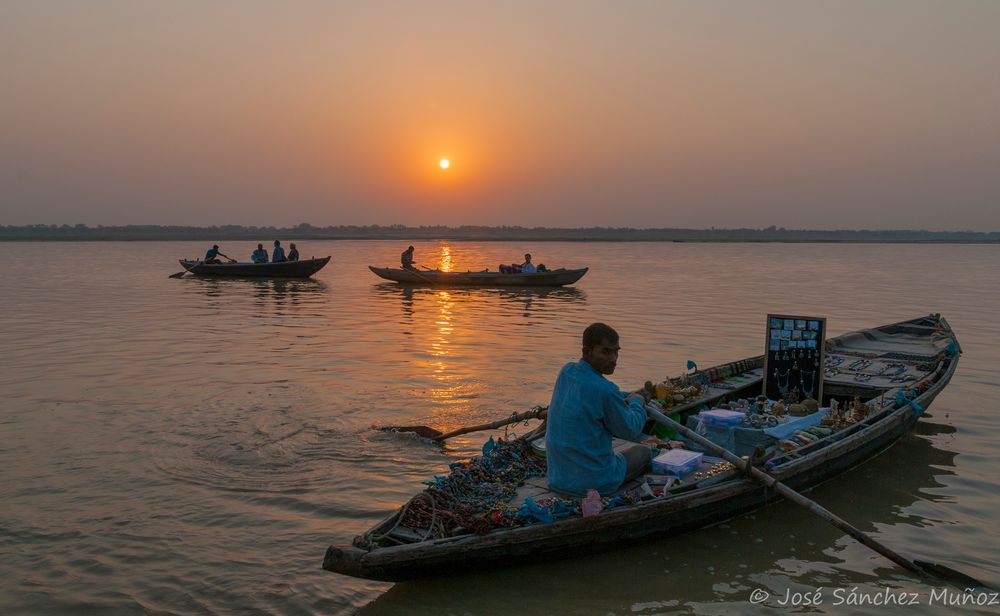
(679, 462)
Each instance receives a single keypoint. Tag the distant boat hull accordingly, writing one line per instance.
(552, 278)
(283, 269)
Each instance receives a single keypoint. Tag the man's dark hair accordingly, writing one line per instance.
(597, 333)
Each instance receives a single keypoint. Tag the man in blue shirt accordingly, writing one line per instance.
(279, 253)
(527, 267)
(586, 411)
(259, 255)
(213, 254)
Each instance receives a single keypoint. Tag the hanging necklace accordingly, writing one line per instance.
(808, 391)
(782, 389)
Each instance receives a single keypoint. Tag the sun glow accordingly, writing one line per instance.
(445, 163)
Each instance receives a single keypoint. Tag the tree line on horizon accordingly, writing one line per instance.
(81, 232)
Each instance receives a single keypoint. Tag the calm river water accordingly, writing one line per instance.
(192, 446)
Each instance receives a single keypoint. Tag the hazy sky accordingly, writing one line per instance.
(878, 114)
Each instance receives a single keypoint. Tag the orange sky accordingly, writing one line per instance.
(685, 114)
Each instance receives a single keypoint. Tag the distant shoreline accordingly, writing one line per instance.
(481, 239)
(305, 232)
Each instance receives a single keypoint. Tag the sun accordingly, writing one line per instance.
(444, 163)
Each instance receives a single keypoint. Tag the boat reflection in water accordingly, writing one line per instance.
(263, 293)
(528, 300)
(776, 548)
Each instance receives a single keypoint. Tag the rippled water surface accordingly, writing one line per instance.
(192, 446)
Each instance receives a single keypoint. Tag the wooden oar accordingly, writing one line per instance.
(918, 567)
(424, 278)
(437, 436)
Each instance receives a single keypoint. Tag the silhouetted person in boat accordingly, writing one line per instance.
(528, 267)
(259, 255)
(279, 253)
(406, 259)
(293, 253)
(586, 411)
(213, 254)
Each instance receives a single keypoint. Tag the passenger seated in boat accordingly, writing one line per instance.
(259, 255)
(586, 411)
(406, 259)
(213, 254)
(528, 267)
(279, 253)
(293, 253)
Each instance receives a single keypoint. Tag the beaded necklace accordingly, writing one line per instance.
(808, 391)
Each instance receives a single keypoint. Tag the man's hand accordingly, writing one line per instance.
(635, 394)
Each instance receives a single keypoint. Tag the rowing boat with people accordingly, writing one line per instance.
(280, 269)
(497, 510)
(548, 278)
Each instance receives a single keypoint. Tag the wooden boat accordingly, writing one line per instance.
(550, 278)
(392, 552)
(282, 269)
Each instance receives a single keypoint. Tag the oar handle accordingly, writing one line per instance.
(782, 489)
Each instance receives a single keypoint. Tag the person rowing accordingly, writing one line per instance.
(406, 259)
(213, 254)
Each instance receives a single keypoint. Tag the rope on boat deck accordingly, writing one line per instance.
(370, 538)
(474, 496)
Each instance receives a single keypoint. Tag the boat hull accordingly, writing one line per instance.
(553, 278)
(284, 269)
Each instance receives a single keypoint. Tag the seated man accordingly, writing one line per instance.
(586, 411)
(293, 254)
(259, 255)
(213, 254)
(527, 267)
(406, 259)
(279, 253)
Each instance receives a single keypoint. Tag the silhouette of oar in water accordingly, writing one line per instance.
(919, 567)
(437, 436)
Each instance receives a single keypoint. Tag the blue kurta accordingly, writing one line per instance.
(585, 412)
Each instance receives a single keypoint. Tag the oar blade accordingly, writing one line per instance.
(422, 431)
(178, 274)
(950, 575)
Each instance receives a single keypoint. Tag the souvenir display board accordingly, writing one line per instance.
(793, 358)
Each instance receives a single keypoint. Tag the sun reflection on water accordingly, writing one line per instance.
(444, 263)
